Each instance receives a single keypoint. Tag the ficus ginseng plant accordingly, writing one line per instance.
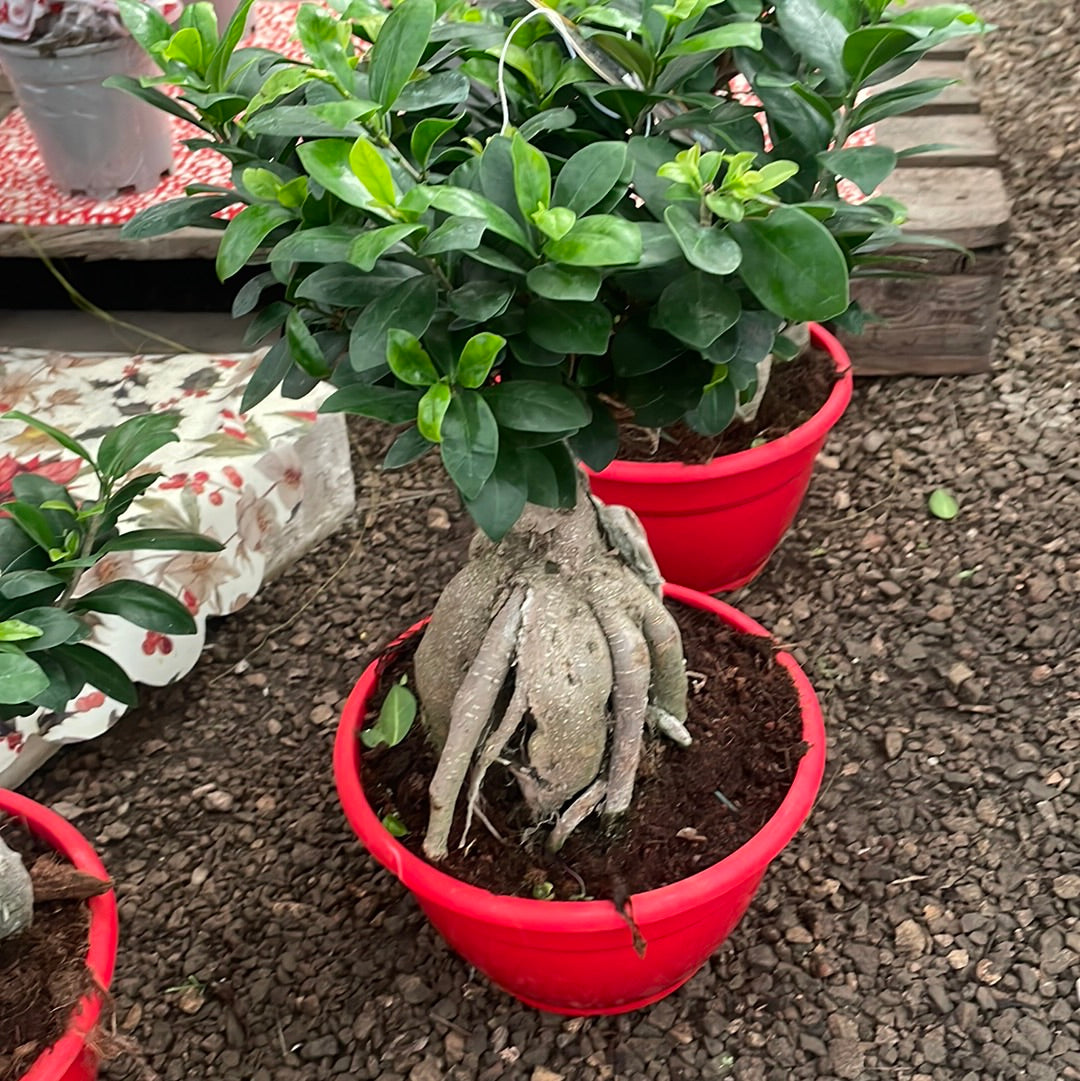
(49, 539)
(489, 224)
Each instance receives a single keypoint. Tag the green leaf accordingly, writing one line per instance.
(244, 234)
(430, 91)
(176, 214)
(569, 326)
(325, 38)
(696, 309)
(455, 234)
(134, 440)
(589, 176)
(267, 376)
(131, 85)
(470, 442)
(478, 358)
(21, 679)
(814, 33)
(480, 301)
(54, 434)
(554, 222)
(530, 406)
(15, 584)
(372, 244)
(303, 348)
(411, 444)
(370, 168)
(186, 46)
(942, 504)
(409, 306)
(391, 404)
(500, 501)
(34, 524)
(793, 265)
(564, 282)
(396, 717)
(329, 119)
(15, 630)
(398, 49)
(600, 240)
(282, 80)
(430, 412)
(144, 23)
(161, 540)
(427, 133)
(394, 826)
(730, 36)
(229, 39)
(100, 671)
(871, 47)
(706, 247)
(470, 204)
(903, 99)
(138, 603)
(408, 359)
(715, 411)
(532, 176)
(866, 166)
(54, 626)
(320, 244)
(328, 163)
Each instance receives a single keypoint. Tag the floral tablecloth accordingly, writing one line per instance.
(247, 481)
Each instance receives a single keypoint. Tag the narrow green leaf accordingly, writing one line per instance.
(138, 603)
(267, 376)
(391, 404)
(15, 584)
(478, 358)
(244, 234)
(100, 671)
(134, 440)
(372, 244)
(398, 48)
(34, 524)
(589, 176)
(530, 406)
(370, 168)
(730, 36)
(409, 360)
(161, 540)
(427, 133)
(430, 412)
(54, 434)
(470, 442)
(532, 176)
(303, 347)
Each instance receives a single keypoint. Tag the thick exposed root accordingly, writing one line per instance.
(552, 654)
(16, 893)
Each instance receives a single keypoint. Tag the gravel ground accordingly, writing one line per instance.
(924, 926)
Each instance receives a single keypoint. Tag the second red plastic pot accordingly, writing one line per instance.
(578, 957)
(713, 527)
(72, 1058)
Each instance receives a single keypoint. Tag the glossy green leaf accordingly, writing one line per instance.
(100, 671)
(328, 163)
(478, 358)
(696, 308)
(131, 85)
(430, 91)
(777, 252)
(21, 679)
(554, 222)
(715, 411)
(329, 119)
(55, 627)
(865, 166)
(176, 214)
(394, 405)
(903, 99)
(600, 240)
(320, 244)
(480, 301)
(455, 234)
(411, 444)
(134, 440)
(244, 234)
(706, 247)
(871, 47)
(408, 359)
(529, 406)
(409, 306)
(427, 133)
(161, 540)
(267, 376)
(430, 412)
(569, 326)
(282, 80)
(138, 603)
(398, 48)
(55, 434)
(589, 176)
(813, 32)
(372, 244)
(470, 442)
(730, 36)
(303, 347)
(144, 23)
(396, 716)
(558, 282)
(16, 630)
(23, 583)
(499, 503)
(470, 204)
(532, 176)
(370, 168)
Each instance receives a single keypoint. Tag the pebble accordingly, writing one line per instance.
(911, 938)
(1067, 887)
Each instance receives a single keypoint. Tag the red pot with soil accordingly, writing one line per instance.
(713, 527)
(71, 1057)
(579, 957)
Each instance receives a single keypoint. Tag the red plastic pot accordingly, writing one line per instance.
(713, 527)
(577, 957)
(71, 1058)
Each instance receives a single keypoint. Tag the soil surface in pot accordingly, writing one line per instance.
(691, 807)
(796, 391)
(43, 971)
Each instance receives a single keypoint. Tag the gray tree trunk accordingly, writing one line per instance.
(16, 894)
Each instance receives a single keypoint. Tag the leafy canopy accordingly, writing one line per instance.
(485, 224)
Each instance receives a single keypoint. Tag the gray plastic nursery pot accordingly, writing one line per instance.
(94, 141)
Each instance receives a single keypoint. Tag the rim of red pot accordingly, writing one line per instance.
(587, 916)
(104, 931)
(775, 450)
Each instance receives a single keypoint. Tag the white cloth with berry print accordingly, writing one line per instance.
(255, 482)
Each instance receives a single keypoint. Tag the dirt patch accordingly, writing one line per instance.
(43, 971)
(691, 807)
(796, 391)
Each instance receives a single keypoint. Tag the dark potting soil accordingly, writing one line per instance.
(747, 730)
(796, 391)
(43, 971)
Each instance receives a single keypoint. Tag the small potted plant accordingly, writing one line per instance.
(48, 540)
(93, 141)
(496, 230)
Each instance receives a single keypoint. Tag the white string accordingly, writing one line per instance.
(567, 40)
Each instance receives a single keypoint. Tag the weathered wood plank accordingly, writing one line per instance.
(967, 138)
(967, 205)
(97, 242)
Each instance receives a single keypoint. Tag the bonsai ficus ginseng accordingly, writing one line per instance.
(494, 225)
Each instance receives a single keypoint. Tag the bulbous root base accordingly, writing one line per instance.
(16, 894)
(552, 654)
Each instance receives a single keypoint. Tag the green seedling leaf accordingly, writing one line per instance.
(16, 630)
(409, 360)
(395, 718)
(942, 504)
(429, 416)
(394, 826)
